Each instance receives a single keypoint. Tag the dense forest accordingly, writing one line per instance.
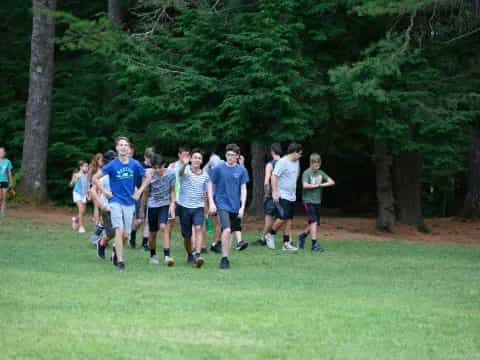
(388, 92)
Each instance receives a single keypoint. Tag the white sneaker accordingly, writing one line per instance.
(169, 261)
(270, 239)
(154, 260)
(81, 230)
(74, 223)
(287, 246)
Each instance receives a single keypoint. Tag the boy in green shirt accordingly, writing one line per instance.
(313, 182)
(6, 180)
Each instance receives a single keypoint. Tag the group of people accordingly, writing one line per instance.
(127, 193)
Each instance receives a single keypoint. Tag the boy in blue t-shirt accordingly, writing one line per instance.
(6, 180)
(122, 173)
(229, 198)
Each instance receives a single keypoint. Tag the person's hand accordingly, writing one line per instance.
(212, 209)
(171, 211)
(108, 195)
(276, 198)
(138, 222)
(105, 207)
(137, 195)
(241, 212)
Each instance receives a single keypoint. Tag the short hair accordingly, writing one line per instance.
(120, 138)
(158, 160)
(183, 149)
(80, 163)
(276, 148)
(197, 150)
(233, 147)
(149, 152)
(314, 157)
(294, 148)
(109, 156)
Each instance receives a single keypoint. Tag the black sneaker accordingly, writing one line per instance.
(132, 241)
(242, 245)
(145, 246)
(100, 250)
(224, 263)
(317, 248)
(114, 256)
(216, 248)
(121, 266)
(301, 241)
(259, 242)
(204, 251)
(190, 259)
(198, 262)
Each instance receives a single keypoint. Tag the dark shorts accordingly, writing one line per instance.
(229, 220)
(156, 216)
(138, 206)
(189, 218)
(269, 207)
(4, 185)
(313, 212)
(285, 209)
(107, 224)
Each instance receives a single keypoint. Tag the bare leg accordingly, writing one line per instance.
(3, 200)
(226, 242)
(119, 244)
(81, 216)
(199, 238)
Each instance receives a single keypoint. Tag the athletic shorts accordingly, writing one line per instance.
(156, 216)
(3, 184)
(285, 209)
(269, 207)
(122, 216)
(78, 197)
(189, 218)
(229, 220)
(107, 224)
(313, 212)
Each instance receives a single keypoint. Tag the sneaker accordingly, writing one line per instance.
(190, 259)
(121, 266)
(259, 242)
(270, 240)
(301, 240)
(74, 223)
(100, 250)
(198, 262)
(224, 263)
(204, 251)
(81, 230)
(287, 246)
(317, 248)
(169, 261)
(154, 260)
(242, 245)
(114, 256)
(216, 247)
(145, 246)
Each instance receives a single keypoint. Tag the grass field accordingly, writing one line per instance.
(359, 300)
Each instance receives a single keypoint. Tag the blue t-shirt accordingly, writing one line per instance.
(122, 179)
(228, 181)
(5, 168)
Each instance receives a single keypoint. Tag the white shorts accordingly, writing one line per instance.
(122, 217)
(78, 197)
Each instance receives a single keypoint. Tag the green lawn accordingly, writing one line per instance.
(359, 300)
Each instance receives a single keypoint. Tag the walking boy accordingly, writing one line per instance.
(284, 188)
(313, 181)
(6, 180)
(191, 203)
(230, 182)
(159, 197)
(122, 172)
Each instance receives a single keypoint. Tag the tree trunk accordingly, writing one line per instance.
(471, 205)
(407, 172)
(258, 152)
(35, 145)
(386, 210)
(115, 11)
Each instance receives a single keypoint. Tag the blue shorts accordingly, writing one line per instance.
(156, 216)
(189, 218)
(285, 209)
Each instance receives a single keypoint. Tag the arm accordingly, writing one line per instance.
(95, 197)
(172, 201)
(147, 179)
(268, 175)
(212, 208)
(10, 179)
(144, 203)
(73, 180)
(275, 195)
(96, 181)
(307, 185)
(182, 170)
(329, 182)
(243, 200)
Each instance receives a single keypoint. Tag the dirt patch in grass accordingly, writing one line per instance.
(442, 230)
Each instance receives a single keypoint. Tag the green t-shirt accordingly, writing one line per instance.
(5, 168)
(313, 196)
